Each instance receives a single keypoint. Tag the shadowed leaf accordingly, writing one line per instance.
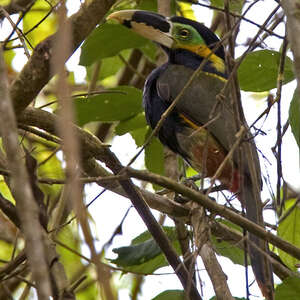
(100, 43)
(122, 103)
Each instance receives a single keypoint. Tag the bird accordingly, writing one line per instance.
(202, 127)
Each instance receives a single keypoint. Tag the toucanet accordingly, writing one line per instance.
(202, 127)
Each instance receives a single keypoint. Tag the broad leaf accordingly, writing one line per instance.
(170, 295)
(109, 66)
(69, 236)
(152, 5)
(294, 116)
(236, 298)
(144, 255)
(115, 104)
(289, 289)
(289, 230)
(235, 5)
(258, 71)
(224, 248)
(108, 40)
(36, 14)
(136, 254)
(136, 122)
(187, 10)
(49, 167)
(139, 135)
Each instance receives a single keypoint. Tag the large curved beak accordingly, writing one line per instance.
(150, 25)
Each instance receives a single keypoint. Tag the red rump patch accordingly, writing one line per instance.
(235, 183)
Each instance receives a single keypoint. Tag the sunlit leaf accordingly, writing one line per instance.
(289, 230)
(89, 292)
(187, 10)
(5, 191)
(5, 250)
(289, 289)
(36, 14)
(108, 40)
(115, 104)
(69, 236)
(49, 167)
(294, 116)
(258, 71)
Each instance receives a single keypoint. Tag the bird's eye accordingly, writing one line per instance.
(184, 33)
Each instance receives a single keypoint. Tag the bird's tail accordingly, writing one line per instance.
(258, 248)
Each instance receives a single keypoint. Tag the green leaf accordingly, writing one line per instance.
(289, 289)
(139, 135)
(217, 3)
(136, 254)
(235, 254)
(144, 255)
(235, 5)
(6, 249)
(170, 295)
(121, 103)
(108, 40)
(5, 190)
(154, 156)
(49, 166)
(258, 71)
(136, 122)
(89, 292)
(237, 298)
(289, 230)
(294, 116)
(186, 10)
(109, 66)
(148, 5)
(39, 11)
(69, 236)
(150, 51)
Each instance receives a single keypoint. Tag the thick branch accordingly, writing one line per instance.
(16, 6)
(27, 208)
(93, 148)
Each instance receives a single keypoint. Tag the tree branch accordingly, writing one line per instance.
(215, 208)
(27, 208)
(37, 72)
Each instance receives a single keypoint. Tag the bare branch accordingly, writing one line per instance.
(27, 208)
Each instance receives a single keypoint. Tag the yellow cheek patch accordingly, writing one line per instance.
(204, 51)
